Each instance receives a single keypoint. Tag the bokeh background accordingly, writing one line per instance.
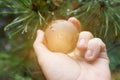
(19, 20)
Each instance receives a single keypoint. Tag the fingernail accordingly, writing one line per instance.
(82, 42)
(89, 53)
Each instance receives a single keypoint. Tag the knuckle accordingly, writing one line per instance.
(98, 42)
(86, 34)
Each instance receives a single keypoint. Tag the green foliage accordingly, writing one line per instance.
(101, 17)
(19, 77)
(100, 14)
(103, 14)
(27, 15)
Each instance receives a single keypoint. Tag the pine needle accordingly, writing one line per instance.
(16, 21)
(36, 25)
(40, 17)
(106, 23)
(116, 31)
(26, 25)
(14, 32)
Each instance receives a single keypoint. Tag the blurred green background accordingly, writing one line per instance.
(19, 20)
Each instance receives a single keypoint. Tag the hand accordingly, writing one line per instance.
(92, 65)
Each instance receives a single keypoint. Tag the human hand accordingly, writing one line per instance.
(93, 65)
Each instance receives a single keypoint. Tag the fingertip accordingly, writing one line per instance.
(40, 32)
(75, 22)
(74, 19)
(84, 38)
(95, 50)
(86, 35)
(39, 38)
(40, 35)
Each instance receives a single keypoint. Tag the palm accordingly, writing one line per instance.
(91, 71)
(60, 65)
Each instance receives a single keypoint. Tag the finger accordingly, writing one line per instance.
(96, 49)
(38, 45)
(84, 37)
(39, 37)
(82, 43)
(75, 22)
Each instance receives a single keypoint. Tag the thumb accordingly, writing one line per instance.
(39, 47)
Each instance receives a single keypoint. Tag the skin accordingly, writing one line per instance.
(92, 65)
